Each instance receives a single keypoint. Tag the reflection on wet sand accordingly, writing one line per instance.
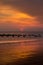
(20, 53)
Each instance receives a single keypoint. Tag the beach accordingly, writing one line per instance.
(21, 51)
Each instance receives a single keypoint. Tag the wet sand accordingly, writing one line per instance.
(34, 60)
(22, 53)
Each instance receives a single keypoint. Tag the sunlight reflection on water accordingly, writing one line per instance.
(19, 49)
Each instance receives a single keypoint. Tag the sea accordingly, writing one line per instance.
(21, 50)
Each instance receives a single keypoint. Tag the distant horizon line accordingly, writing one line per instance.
(18, 31)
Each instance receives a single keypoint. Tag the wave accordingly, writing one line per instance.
(20, 41)
(16, 41)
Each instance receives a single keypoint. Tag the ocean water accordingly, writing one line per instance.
(21, 51)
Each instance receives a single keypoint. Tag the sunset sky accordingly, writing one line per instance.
(21, 15)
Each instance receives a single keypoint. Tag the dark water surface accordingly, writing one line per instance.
(21, 52)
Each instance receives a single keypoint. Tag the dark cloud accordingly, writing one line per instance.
(40, 19)
(32, 7)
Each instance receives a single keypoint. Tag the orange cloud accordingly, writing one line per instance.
(8, 14)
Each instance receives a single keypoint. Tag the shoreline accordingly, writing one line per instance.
(18, 41)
